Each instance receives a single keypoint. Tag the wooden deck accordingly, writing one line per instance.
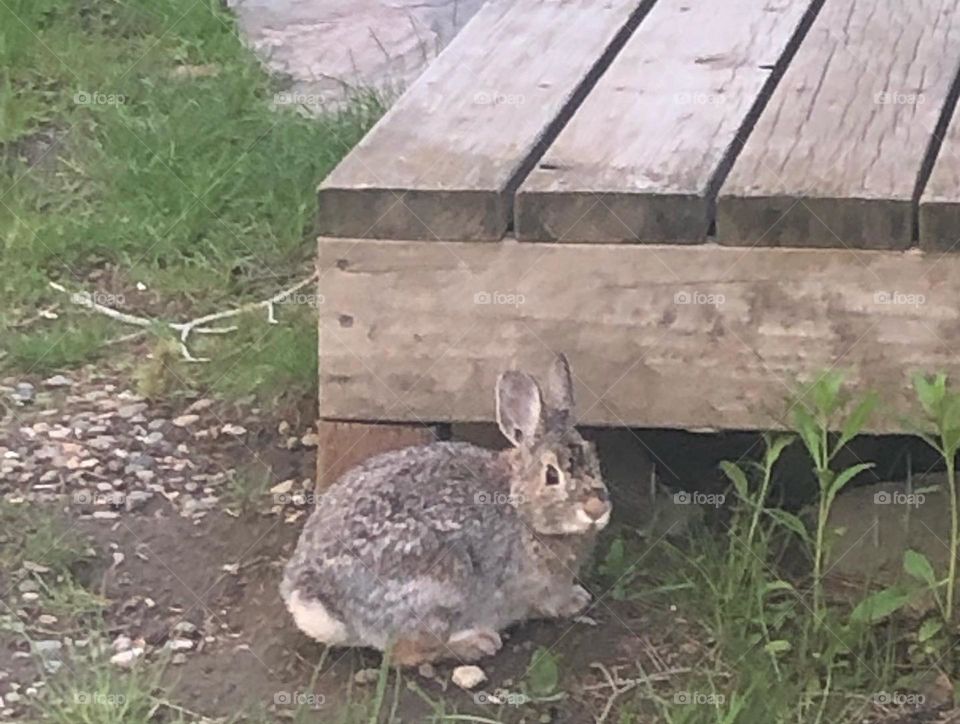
(618, 179)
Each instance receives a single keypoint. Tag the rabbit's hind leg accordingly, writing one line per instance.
(418, 648)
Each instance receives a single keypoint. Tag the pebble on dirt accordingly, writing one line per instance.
(468, 677)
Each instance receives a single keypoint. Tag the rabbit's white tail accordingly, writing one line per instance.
(313, 619)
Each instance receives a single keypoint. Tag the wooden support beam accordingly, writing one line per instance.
(344, 444)
(659, 336)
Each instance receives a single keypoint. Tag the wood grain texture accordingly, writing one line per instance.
(658, 336)
(637, 160)
(940, 202)
(836, 156)
(445, 160)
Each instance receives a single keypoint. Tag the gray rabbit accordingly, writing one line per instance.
(430, 551)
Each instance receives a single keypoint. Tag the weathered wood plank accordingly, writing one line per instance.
(940, 202)
(836, 156)
(659, 336)
(638, 159)
(445, 160)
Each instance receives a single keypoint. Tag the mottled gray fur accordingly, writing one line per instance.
(451, 537)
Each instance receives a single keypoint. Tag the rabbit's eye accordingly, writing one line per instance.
(552, 475)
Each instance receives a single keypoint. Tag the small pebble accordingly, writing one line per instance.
(427, 671)
(125, 659)
(366, 676)
(58, 381)
(468, 677)
(185, 420)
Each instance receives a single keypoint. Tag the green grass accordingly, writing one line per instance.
(38, 535)
(191, 185)
(98, 693)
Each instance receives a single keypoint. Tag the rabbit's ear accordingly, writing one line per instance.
(560, 384)
(518, 407)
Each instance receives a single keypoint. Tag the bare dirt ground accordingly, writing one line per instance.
(190, 512)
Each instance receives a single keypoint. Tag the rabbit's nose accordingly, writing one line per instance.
(595, 508)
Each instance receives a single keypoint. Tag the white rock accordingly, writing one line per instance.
(58, 381)
(311, 439)
(105, 515)
(180, 644)
(122, 643)
(468, 677)
(125, 659)
(282, 488)
(185, 420)
(35, 567)
(366, 676)
(231, 429)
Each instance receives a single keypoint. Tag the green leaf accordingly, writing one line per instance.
(845, 477)
(789, 521)
(917, 565)
(737, 477)
(826, 392)
(930, 393)
(857, 419)
(929, 629)
(543, 675)
(613, 561)
(777, 585)
(877, 606)
(776, 647)
(775, 447)
(808, 430)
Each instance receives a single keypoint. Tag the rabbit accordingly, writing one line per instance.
(430, 551)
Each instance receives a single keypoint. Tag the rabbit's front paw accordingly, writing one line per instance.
(571, 602)
(473, 644)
